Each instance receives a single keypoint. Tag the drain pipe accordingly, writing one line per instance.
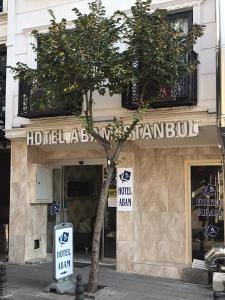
(220, 71)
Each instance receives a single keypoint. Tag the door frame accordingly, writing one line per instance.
(77, 162)
(188, 226)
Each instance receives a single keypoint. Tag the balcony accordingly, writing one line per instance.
(34, 103)
(184, 94)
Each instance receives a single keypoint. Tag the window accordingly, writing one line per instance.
(207, 210)
(183, 20)
(185, 93)
(3, 6)
(33, 100)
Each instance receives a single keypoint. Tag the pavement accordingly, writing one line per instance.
(27, 282)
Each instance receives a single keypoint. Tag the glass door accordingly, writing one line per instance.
(207, 209)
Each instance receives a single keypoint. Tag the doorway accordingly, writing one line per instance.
(82, 186)
(207, 208)
(76, 190)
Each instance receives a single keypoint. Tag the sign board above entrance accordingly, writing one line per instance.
(179, 129)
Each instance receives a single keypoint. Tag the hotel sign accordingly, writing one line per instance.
(163, 130)
(125, 183)
(63, 253)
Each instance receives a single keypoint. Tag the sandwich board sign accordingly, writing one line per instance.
(63, 259)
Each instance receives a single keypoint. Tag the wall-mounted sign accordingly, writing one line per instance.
(53, 209)
(152, 131)
(125, 182)
(210, 231)
(63, 251)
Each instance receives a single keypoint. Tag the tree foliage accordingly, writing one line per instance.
(101, 53)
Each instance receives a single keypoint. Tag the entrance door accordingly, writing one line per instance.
(82, 186)
(207, 209)
(76, 191)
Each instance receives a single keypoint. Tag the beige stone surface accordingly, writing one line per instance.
(150, 240)
(28, 222)
(161, 270)
(159, 230)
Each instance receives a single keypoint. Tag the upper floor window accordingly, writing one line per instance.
(33, 100)
(183, 20)
(185, 92)
(1, 5)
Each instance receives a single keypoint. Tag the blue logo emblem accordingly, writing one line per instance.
(209, 190)
(63, 239)
(53, 209)
(125, 176)
(210, 231)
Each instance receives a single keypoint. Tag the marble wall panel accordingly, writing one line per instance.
(73, 154)
(18, 161)
(18, 198)
(17, 209)
(154, 196)
(159, 222)
(176, 252)
(125, 260)
(176, 226)
(37, 230)
(175, 183)
(153, 166)
(27, 222)
(168, 271)
(125, 224)
(16, 247)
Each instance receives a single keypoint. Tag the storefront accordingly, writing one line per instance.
(177, 211)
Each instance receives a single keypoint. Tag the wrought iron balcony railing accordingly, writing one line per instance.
(184, 94)
(35, 104)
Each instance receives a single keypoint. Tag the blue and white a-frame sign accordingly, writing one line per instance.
(62, 259)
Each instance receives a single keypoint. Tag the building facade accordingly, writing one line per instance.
(175, 156)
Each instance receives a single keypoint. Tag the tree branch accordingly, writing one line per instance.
(90, 123)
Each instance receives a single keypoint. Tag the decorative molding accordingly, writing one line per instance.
(175, 4)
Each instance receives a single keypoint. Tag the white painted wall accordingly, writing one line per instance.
(25, 15)
(3, 23)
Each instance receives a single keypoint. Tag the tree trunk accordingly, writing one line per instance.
(93, 276)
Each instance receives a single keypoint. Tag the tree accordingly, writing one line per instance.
(75, 63)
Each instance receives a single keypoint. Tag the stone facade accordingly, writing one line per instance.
(155, 238)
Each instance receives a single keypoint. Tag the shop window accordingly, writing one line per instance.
(1, 5)
(207, 209)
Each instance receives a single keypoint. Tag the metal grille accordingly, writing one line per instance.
(184, 93)
(33, 103)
